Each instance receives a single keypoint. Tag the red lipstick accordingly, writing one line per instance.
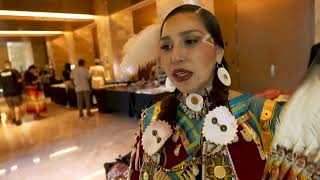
(182, 74)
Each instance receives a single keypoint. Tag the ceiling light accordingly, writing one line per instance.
(29, 33)
(45, 16)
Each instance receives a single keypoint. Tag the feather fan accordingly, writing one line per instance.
(299, 126)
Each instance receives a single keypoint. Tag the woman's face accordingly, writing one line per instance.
(187, 59)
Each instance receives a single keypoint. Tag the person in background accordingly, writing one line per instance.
(52, 74)
(80, 78)
(12, 89)
(97, 74)
(66, 80)
(66, 72)
(31, 76)
(36, 98)
(47, 77)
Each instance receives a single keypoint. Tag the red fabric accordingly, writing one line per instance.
(172, 159)
(133, 173)
(36, 99)
(246, 159)
(118, 171)
(245, 156)
(270, 94)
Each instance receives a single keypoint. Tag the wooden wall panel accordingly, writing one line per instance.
(39, 52)
(144, 17)
(225, 11)
(273, 32)
(3, 54)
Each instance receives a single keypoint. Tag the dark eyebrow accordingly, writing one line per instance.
(182, 34)
(165, 38)
(190, 31)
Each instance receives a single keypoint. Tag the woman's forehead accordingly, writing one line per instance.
(182, 22)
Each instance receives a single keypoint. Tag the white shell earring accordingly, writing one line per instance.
(170, 87)
(223, 75)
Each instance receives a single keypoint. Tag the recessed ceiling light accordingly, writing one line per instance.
(29, 33)
(45, 16)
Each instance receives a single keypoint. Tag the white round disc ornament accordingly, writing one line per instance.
(194, 102)
(224, 76)
(170, 87)
(220, 126)
(155, 135)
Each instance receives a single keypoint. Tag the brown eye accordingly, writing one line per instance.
(190, 42)
(166, 47)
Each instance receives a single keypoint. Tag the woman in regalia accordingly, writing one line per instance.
(203, 130)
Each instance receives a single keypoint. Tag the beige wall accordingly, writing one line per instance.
(273, 34)
(104, 35)
(165, 6)
(69, 41)
(58, 54)
(3, 53)
(143, 17)
(39, 52)
(105, 44)
(121, 28)
(70, 47)
(83, 45)
(317, 21)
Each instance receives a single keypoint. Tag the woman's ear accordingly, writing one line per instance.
(220, 54)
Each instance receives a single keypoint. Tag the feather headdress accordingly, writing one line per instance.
(141, 49)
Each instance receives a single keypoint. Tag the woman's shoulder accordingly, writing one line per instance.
(149, 115)
(165, 110)
(241, 103)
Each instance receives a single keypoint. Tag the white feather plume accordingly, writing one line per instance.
(141, 49)
(299, 127)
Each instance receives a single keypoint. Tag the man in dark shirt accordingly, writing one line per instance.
(12, 91)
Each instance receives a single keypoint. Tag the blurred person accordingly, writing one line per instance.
(66, 72)
(47, 77)
(80, 78)
(12, 90)
(31, 76)
(66, 79)
(36, 98)
(52, 74)
(97, 74)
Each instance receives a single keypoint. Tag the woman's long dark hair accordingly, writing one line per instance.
(220, 92)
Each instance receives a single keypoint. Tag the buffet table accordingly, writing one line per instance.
(60, 95)
(129, 100)
(122, 98)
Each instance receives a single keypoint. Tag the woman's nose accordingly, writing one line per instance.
(178, 55)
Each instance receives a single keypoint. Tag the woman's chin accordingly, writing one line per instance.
(188, 89)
